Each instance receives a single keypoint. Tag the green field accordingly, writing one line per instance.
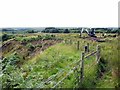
(42, 60)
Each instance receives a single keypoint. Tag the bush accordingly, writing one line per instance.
(39, 37)
(40, 45)
(12, 60)
(30, 47)
(5, 37)
(66, 31)
(12, 77)
(31, 31)
(28, 39)
(48, 37)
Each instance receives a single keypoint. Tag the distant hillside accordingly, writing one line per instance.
(57, 29)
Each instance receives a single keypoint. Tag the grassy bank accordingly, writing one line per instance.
(46, 69)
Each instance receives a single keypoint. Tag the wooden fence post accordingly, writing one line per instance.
(82, 69)
(98, 53)
(78, 43)
(87, 47)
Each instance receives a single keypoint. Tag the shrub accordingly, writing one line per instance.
(12, 60)
(66, 31)
(30, 47)
(5, 37)
(39, 45)
(39, 37)
(31, 31)
(47, 37)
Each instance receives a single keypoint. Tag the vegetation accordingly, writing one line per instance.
(41, 60)
(30, 47)
(5, 37)
(31, 31)
(78, 30)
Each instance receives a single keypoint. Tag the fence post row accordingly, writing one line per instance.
(82, 62)
(81, 76)
(98, 53)
(82, 69)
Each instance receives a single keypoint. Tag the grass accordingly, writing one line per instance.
(107, 81)
(59, 59)
(51, 64)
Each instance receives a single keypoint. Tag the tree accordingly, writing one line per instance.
(5, 37)
(66, 31)
(30, 31)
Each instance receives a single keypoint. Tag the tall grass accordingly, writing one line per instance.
(60, 59)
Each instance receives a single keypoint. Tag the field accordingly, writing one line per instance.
(48, 60)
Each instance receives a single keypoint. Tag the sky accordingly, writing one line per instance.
(58, 13)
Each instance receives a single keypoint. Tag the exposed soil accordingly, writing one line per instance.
(22, 49)
(96, 39)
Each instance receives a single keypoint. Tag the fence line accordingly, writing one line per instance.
(97, 52)
(86, 49)
(91, 54)
(60, 73)
(70, 72)
(80, 65)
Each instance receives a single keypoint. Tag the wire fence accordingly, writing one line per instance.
(80, 73)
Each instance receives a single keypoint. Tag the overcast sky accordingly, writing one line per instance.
(59, 13)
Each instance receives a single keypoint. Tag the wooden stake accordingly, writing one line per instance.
(82, 69)
(87, 47)
(78, 43)
(98, 53)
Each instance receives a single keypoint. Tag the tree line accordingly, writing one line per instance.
(63, 30)
(78, 30)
